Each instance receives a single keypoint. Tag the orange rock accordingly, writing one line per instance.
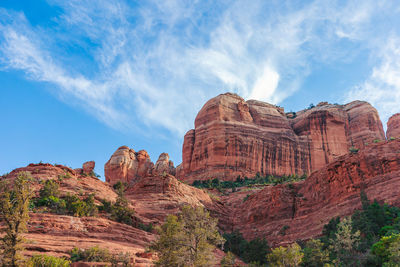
(164, 165)
(233, 137)
(127, 166)
(88, 167)
(393, 126)
(334, 190)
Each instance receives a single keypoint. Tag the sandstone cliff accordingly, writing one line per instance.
(235, 137)
(334, 190)
(393, 126)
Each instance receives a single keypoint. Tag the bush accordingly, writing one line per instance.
(120, 211)
(77, 207)
(146, 227)
(120, 186)
(97, 254)
(50, 188)
(47, 261)
(353, 150)
(93, 254)
(253, 251)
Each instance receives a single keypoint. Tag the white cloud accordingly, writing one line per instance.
(157, 62)
(382, 88)
(265, 86)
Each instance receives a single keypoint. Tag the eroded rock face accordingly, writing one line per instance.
(235, 137)
(88, 167)
(128, 166)
(393, 126)
(331, 191)
(164, 165)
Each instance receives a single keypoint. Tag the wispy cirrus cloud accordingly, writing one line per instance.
(134, 64)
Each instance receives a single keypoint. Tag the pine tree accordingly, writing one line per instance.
(14, 207)
(187, 239)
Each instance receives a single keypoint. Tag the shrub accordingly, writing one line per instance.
(353, 150)
(50, 188)
(120, 186)
(246, 198)
(120, 211)
(146, 227)
(93, 254)
(253, 251)
(77, 207)
(377, 141)
(47, 261)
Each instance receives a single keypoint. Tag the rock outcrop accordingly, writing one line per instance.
(127, 166)
(164, 165)
(393, 126)
(235, 137)
(334, 190)
(88, 167)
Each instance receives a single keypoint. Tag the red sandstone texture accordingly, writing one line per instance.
(58, 234)
(153, 198)
(128, 166)
(235, 137)
(393, 126)
(331, 191)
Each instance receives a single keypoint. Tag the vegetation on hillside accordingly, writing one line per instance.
(370, 237)
(241, 182)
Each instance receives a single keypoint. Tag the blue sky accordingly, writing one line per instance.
(80, 78)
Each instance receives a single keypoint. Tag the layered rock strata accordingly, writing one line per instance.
(235, 137)
(304, 207)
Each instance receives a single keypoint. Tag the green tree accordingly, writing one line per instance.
(346, 242)
(187, 239)
(290, 256)
(14, 207)
(314, 254)
(121, 212)
(387, 250)
(256, 251)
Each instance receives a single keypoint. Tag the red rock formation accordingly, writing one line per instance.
(233, 137)
(155, 197)
(331, 191)
(393, 126)
(164, 165)
(88, 167)
(127, 166)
